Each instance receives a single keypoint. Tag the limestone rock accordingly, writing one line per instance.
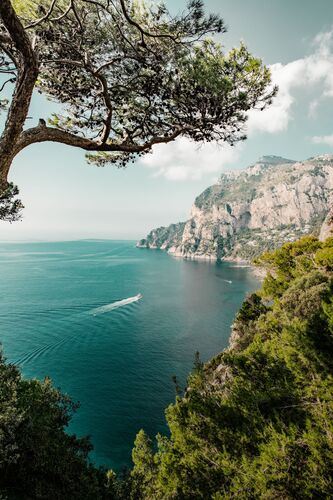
(252, 210)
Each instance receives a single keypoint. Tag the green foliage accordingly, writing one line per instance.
(26, 8)
(251, 309)
(10, 206)
(257, 421)
(38, 459)
(324, 258)
(144, 466)
(290, 261)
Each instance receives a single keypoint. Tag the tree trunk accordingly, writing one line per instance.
(6, 160)
(15, 120)
(27, 68)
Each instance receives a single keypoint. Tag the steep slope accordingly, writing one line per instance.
(249, 211)
(327, 228)
(256, 422)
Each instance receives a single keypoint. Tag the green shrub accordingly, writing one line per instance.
(257, 421)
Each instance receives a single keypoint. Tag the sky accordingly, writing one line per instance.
(67, 199)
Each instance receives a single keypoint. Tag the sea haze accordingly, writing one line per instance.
(71, 311)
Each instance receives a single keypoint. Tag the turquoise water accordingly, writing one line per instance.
(55, 320)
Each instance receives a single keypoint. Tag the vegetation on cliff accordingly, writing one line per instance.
(257, 420)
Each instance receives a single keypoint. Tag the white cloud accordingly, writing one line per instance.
(317, 68)
(323, 139)
(313, 107)
(185, 160)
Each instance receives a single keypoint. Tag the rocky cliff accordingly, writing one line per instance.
(327, 227)
(248, 211)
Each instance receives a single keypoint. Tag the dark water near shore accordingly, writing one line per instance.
(118, 362)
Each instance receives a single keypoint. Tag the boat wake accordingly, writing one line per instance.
(115, 305)
(47, 348)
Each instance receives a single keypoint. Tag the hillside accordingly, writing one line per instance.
(255, 422)
(252, 210)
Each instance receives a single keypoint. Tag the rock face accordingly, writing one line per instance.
(163, 237)
(246, 212)
(327, 227)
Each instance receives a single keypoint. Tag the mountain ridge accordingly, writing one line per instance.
(251, 210)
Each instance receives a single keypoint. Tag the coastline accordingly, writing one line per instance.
(259, 272)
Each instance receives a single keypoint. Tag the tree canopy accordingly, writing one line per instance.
(127, 74)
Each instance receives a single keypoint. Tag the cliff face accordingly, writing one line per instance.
(164, 237)
(327, 227)
(274, 201)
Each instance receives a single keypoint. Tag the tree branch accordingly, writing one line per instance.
(9, 53)
(77, 17)
(64, 14)
(108, 63)
(44, 18)
(67, 62)
(5, 83)
(141, 30)
(43, 133)
(108, 104)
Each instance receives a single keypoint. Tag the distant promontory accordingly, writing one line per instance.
(249, 211)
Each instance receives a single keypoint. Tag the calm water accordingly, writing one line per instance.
(117, 362)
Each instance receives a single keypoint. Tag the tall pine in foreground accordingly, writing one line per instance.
(127, 76)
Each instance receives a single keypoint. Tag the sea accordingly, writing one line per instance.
(111, 325)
